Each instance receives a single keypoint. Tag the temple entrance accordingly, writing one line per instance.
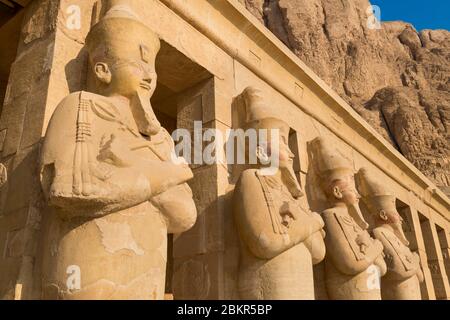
(178, 101)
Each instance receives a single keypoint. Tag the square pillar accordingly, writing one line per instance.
(444, 240)
(418, 245)
(49, 64)
(435, 259)
(199, 252)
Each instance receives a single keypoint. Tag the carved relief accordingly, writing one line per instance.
(280, 240)
(106, 170)
(354, 261)
(401, 281)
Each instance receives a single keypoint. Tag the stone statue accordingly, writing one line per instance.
(354, 261)
(280, 240)
(106, 169)
(403, 277)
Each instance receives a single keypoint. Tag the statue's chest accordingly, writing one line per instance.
(107, 121)
(152, 148)
(400, 250)
(358, 239)
(282, 207)
(280, 197)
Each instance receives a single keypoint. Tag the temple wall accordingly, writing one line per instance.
(226, 41)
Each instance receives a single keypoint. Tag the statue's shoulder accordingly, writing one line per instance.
(330, 213)
(61, 132)
(381, 233)
(68, 108)
(249, 174)
(341, 221)
(387, 236)
(249, 177)
(64, 118)
(249, 181)
(73, 100)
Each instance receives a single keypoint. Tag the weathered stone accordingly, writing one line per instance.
(61, 214)
(113, 192)
(332, 37)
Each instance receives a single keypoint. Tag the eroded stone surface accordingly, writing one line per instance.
(371, 68)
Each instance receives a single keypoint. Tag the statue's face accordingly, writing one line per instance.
(134, 79)
(389, 215)
(344, 189)
(129, 77)
(268, 148)
(286, 165)
(286, 156)
(285, 160)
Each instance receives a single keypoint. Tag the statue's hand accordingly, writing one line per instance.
(364, 239)
(288, 214)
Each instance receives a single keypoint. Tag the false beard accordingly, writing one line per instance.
(290, 181)
(356, 214)
(398, 231)
(143, 114)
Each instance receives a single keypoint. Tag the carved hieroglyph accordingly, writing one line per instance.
(280, 240)
(354, 261)
(106, 170)
(403, 277)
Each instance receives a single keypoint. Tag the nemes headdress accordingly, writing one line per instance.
(373, 192)
(120, 34)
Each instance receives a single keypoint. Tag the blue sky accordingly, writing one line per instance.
(423, 14)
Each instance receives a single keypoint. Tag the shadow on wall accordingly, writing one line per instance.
(77, 72)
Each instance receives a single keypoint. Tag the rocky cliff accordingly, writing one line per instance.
(396, 78)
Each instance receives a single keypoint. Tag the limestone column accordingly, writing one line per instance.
(417, 244)
(49, 65)
(444, 239)
(199, 263)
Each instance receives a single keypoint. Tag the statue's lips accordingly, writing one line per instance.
(145, 85)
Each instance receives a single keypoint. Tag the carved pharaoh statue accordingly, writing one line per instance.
(280, 240)
(403, 276)
(106, 170)
(354, 261)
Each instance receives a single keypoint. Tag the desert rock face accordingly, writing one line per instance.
(396, 78)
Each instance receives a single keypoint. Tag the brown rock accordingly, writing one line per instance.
(395, 77)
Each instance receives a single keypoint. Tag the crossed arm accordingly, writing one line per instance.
(396, 269)
(340, 252)
(254, 224)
